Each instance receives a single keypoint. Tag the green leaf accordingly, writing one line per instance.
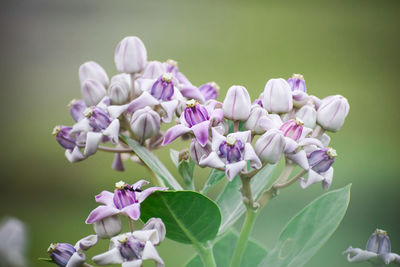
(309, 229)
(174, 154)
(186, 169)
(230, 199)
(46, 260)
(189, 217)
(153, 162)
(213, 178)
(223, 252)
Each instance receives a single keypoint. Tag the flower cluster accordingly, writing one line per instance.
(128, 249)
(134, 102)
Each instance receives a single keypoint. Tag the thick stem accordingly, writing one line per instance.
(248, 224)
(285, 173)
(131, 225)
(207, 256)
(318, 132)
(235, 126)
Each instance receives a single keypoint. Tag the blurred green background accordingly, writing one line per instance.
(341, 47)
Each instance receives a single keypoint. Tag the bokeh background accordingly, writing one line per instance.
(341, 47)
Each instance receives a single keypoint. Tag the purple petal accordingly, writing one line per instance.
(145, 193)
(100, 213)
(118, 164)
(200, 131)
(92, 142)
(106, 198)
(174, 132)
(192, 92)
(234, 168)
(132, 211)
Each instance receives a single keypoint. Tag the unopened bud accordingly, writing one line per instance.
(76, 108)
(308, 115)
(157, 224)
(92, 71)
(108, 227)
(293, 129)
(277, 96)
(92, 92)
(153, 70)
(332, 112)
(119, 89)
(130, 55)
(237, 104)
(269, 147)
(145, 123)
(253, 122)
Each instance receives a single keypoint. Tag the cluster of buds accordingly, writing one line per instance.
(135, 102)
(130, 248)
(285, 121)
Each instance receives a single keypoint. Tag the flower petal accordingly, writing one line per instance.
(76, 260)
(192, 92)
(250, 154)
(92, 142)
(313, 178)
(145, 193)
(150, 253)
(290, 145)
(81, 126)
(106, 198)
(243, 136)
(147, 235)
(118, 164)
(328, 176)
(134, 263)
(74, 155)
(100, 213)
(300, 158)
(310, 141)
(86, 242)
(145, 99)
(359, 255)
(200, 131)
(216, 116)
(116, 110)
(132, 211)
(112, 256)
(169, 107)
(217, 139)
(174, 132)
(212, 160)
(234, 168)
(139, 184)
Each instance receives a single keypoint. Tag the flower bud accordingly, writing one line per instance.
(308, 115)
(60, 253)
(130, 55)
(253, 122)
(157, 224)
(269, 147)
(92, 71)
(63, 138)
(237, 103)
(277, 96)
(145, 123)
(332, 112)
(98, 118)
(209, 90)
(119, 89)
(76, 108)
(321, 160)
(153, 70)
(163, 88)
(197, 150)
(92, 92)
(195, 113)
(297, 83)
(292, 129)
(108, 227)
(379, 242)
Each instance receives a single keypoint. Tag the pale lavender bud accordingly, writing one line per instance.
(108, 227)
(92, 71)
(157, 224)
(76, 109)
(300, 98)
(297, 83)
(231, 149)
(197, 150)
(269, 147)
(118, 164)
(145, 123)
(195, 113)
(308, 115)
(119, 89)
(130, 55)
(379, 242)
(209, 90)
(163, 88)
(237, 103)
(277, 96)
(62, 134)
(124, 195)
(98, 118)
(92, 92)
(293, 129)
(153, 70)
(332, 112)
(60, 253)
(253, 122)
(130, 248)
(321, 160)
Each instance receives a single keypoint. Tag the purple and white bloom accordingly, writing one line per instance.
(332, 112)
(108, 227)
(292, 129)
(130, 55)
(62, 134)
(157, 224)
(320, 162)
(197, 151)
(277, 96)
(308, 115)
(231, 153)
(92, 71)
(131, 249)
(172, 67)
(257, 113)
(93, 92)
(125, 200)
(270, 146)
(297, 83)
(119, 89)
(237, 104)
(145, 123)
(76, 108)
(209, 90)
(13, 237)
(197, 119)
(377, 252)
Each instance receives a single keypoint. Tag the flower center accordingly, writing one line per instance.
(88, 112)
(166, 77)
(172, 62)
(299, 122)
(215, 86)
(120, 185)
(297, 76)
(331, 153)
(230, 140)
(380, 232)
(52, 247)
(123, 239)
(56, 130)
(191, 103)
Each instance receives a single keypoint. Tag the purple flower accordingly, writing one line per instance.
(231, 153)
(163, 88)
(292, 129)
(125, 200)
(62, 134)
(237, 104)
(297, 83)
(76, 109)
(209, 90)
(197, 119)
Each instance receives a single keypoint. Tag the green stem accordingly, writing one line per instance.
(131, 224)
(248, 224)
(207, 256)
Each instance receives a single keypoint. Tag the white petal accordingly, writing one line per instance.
(92, 142)
(359, 255)
(116, 111)
(134, 263)
(147, 235)
(212, 161)
(112, 131)
(150, 253)
(313, 178)
(300, 158)
(217, 139)
(109, 257)
(74, 155)
(86, 242)
(81, 126)
(76, 260)
(250, 154)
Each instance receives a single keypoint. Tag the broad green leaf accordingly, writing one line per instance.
(189, 217)
(230, 199)
(153, 162)
(213, 178)
(186, 169)
(223, 252)
(309, 230)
